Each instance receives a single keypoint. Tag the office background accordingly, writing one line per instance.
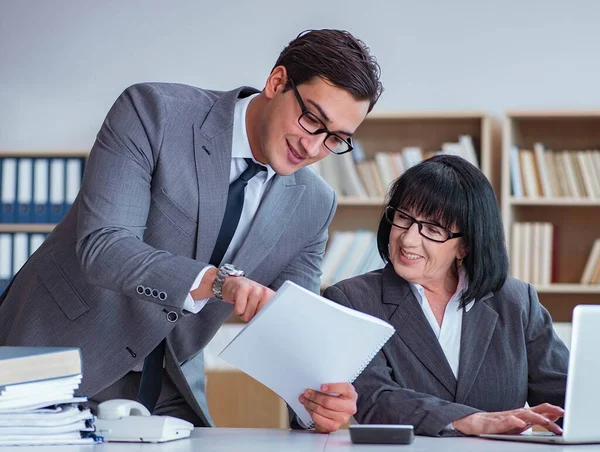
(63, 62)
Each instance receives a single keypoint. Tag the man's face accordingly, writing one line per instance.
(284, 144)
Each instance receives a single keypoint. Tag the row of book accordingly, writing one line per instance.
(591, 272)
(15, 249)
(38, 404)
(353, 175)
(546, 173)
(38, 190)
(348, 254)
(532, 252)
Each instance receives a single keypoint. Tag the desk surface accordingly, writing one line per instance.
(264, 440)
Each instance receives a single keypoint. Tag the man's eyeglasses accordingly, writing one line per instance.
(431, 231)
(313, 125)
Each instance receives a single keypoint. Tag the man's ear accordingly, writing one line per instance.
(276, 81)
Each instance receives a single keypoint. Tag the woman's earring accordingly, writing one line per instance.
(459, 262)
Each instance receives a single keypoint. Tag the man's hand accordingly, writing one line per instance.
(330, 412)
(512, 422)
(247, 296)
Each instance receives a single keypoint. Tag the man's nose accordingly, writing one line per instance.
(312, 144)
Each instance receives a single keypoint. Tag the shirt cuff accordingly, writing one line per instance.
(195, 306)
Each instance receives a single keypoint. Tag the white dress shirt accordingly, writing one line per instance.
(448, 333)
(255, 190)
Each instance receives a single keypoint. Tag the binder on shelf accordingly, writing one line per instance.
(9, 190)
(57, 189)
(301, 340)
(35, 241)
(6, 257)
(72, 181)
(20, 250)
(41, 188)
(25, 190)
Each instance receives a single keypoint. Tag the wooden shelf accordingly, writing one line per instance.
(27, 227)
(358, 201)
(575, 220)
(524, 201)
(568, 288)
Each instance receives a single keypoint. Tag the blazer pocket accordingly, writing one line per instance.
(173, 212)
(60, 288)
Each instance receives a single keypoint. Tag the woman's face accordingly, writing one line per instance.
(420, 260)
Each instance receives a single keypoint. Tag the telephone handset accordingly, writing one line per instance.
(130, 421)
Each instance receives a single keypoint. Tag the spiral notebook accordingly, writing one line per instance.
(301, 340)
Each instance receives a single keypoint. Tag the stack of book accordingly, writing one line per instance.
(354, 175)
(38, 405)
(350, 253)
(591, 272)
(532, 253)
(547, 173)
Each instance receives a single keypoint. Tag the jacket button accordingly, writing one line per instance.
(148, 291)
(140, 289)
(155, 293)
(162, 296)
(172, 316)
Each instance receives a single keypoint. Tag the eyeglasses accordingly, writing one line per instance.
(431, 231)
(313, 125)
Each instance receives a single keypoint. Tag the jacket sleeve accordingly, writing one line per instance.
(547, 357)
(381, 400)
(115, 200)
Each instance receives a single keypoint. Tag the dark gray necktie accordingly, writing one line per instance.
(151, 379)
(233, 211)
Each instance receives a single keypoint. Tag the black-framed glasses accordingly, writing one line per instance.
(313, 125)
(431, 231)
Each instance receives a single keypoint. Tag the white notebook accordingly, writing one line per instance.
(301, 340)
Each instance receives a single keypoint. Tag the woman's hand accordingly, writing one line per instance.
(513, 421)
(330, 412)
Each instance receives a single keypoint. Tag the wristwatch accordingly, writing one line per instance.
(224, 271)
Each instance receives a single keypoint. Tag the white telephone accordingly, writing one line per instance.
(130, 421)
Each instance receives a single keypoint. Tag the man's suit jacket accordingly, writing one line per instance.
(509, 355)
(114, 274)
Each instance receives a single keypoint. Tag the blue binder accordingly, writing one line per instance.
(6, 258)
(25, 190)
(8, 192)
(41, 190)
(57, 189)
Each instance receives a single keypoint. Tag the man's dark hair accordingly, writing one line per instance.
(336, 56)
(452, 192)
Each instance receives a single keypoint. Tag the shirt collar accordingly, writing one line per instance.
(463, 283)
(240, 146)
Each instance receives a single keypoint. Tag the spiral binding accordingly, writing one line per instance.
(370, 358)
(364, 365)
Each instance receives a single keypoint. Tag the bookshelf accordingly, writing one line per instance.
(575, 219)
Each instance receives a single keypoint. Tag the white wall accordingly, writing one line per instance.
(63, 62)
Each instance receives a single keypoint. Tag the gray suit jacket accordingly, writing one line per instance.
(147, 217)
(509, 355)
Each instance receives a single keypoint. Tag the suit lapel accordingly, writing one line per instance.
(406, 315)
(212, 152)
(478, 327)
(274, 213)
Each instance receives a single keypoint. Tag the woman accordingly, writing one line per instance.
(472, 345)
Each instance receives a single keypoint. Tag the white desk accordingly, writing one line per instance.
(265, 440)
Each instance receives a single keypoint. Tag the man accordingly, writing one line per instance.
(195, 203)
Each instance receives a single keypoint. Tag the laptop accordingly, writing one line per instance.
(582, 399)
